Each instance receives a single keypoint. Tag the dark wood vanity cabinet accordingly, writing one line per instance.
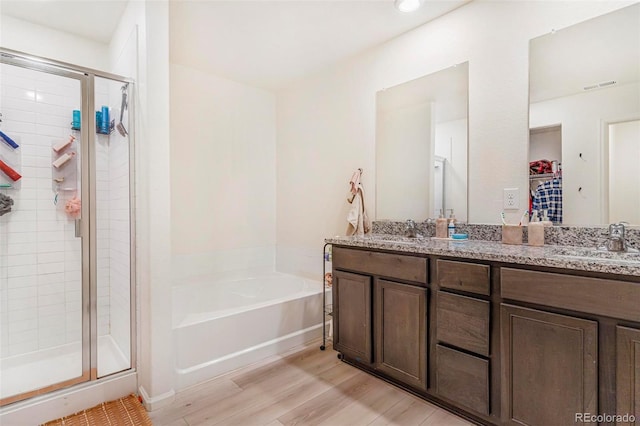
(401, 332)
(379, 321)
(550, 366)
(499, 344)
(628, 373)
(352, 315)
(462, 352)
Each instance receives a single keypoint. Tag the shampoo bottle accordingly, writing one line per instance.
(441, 226)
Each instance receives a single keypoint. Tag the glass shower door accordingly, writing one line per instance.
(44, 336)
(113, 227)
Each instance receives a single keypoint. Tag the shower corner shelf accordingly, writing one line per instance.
(327, 308)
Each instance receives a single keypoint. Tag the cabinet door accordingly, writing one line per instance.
(401, 332)
(628, 374)
(352, 315)
(549, 367)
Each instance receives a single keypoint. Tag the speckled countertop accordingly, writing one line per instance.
(557, 256)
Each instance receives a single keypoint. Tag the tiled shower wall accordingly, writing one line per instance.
(40, 257)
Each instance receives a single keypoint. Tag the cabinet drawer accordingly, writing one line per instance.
(463, 379)
(463, 322)
(616, 299)
(470, 277)
(409, 268)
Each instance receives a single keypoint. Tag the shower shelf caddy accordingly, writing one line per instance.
(327, 308)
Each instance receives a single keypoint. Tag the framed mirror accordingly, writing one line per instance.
(584, 119)
(421, 147)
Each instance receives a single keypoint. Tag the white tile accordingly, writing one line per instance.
(22, 259)
(50, 268)
(21, 348)
(17, 282)
(24, 314)
(47, 289)
(26, 248)
(51, 257)
(26, 226)
(52, 309)
(23, 304)
(22, 271)
(22, 293)
(22, 325)
(46, 279)
(50, 226)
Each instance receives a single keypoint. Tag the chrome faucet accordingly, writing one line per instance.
(616, 241)
(411, 231)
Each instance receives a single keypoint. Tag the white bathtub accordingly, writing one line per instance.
(219, 326)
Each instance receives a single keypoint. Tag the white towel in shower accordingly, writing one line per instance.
(359, 223)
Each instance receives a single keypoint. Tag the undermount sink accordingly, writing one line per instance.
(593, 254)
(399, 240)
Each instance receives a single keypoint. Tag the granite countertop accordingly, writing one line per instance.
(567, 257)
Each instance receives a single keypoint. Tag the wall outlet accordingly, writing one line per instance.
(511, 199)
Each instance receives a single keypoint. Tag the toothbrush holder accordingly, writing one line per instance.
(512, 234)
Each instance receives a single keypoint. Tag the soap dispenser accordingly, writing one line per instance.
(536, 231)
(441, 226)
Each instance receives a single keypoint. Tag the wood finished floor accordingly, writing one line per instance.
(305, 387)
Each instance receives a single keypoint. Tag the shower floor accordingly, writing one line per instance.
(35, 370)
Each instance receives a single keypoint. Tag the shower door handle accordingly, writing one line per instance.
(78, 229)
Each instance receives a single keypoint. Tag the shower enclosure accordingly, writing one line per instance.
(66, 245)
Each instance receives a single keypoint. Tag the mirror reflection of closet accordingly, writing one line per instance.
(545, 163)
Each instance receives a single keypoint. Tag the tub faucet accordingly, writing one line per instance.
(616, 241)
(411, 231)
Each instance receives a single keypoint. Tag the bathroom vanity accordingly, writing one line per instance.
(498, 334)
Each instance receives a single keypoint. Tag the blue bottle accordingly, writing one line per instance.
(104, 123)
(75, 124)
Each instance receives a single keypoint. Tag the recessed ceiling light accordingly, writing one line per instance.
(408, 5)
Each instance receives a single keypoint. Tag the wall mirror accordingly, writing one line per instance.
(421, 147)
(584, 116)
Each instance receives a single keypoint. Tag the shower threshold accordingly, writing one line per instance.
(39, 369)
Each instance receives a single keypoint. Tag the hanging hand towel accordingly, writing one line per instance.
(355, 183)
(359, 223)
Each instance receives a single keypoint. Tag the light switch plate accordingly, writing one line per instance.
(511, 199)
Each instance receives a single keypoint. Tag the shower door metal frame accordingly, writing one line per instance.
(88, 229)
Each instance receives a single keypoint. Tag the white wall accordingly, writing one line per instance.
(38, 40)
(223, 164)
(582, 117)
(326, 123)
(144, 29)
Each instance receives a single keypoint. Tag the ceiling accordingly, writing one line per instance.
(595, 51)
(92, 19)
(269, 44)
(263, 43)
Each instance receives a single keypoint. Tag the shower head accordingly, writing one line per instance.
(120, 127)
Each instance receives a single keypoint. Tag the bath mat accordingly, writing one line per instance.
(127, 411)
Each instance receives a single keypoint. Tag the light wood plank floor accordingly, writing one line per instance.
(305, 387)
